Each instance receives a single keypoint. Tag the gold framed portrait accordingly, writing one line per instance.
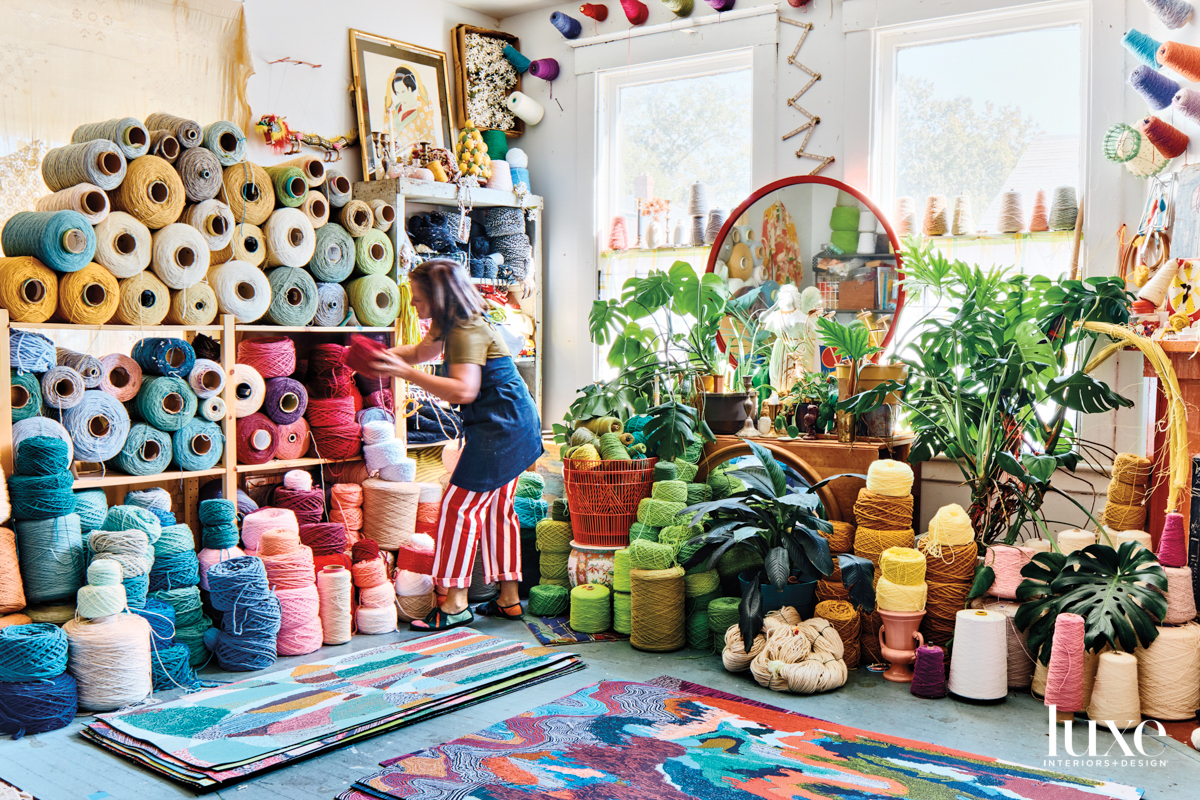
(401, 96)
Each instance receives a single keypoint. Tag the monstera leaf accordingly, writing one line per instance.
(1081, 392)
(1119, 594)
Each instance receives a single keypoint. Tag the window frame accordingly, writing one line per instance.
(890, 40)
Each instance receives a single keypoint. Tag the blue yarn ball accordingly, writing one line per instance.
(217, 512)
(38, 706)
(530, 511)
(164, 356)
(161, 617)
(164, 517)
(175, 571)
(31, 352)
(32, 652)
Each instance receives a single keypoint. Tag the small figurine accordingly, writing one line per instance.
(811, 411)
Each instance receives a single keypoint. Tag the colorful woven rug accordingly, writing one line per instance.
(226, 734)
(638, 741)
(555, 631)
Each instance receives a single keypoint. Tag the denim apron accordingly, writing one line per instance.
(502, 430)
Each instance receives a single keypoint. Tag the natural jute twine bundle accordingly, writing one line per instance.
(804, 659)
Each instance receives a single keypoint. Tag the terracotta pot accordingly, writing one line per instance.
(724, 413)
(899, 640)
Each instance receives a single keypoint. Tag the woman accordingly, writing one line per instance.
(503, 437)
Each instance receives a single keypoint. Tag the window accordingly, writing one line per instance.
(979, 106)
(661, 128)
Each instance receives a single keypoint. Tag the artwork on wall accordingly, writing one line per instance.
(813, 121)
(401, 94)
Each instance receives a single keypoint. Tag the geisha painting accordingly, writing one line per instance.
(402, 93)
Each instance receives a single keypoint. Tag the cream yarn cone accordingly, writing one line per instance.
(937, 216)
(964, 221)
(1012, 216)
(906, 216)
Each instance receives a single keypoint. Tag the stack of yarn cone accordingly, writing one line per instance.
(950, 555)
(884, 514)
(1126, 507)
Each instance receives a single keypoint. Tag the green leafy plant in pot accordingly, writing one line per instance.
(661, 338)
(783, 524)
(1119, 593)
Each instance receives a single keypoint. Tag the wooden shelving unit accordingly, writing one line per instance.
(402, 192)
(116, 484)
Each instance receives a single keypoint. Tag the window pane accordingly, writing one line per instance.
(974, 117)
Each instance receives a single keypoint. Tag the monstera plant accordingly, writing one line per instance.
(1119, 594)
(783, 524)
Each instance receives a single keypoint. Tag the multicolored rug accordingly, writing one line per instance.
(638, 741)
(226, 734)
(555, 631)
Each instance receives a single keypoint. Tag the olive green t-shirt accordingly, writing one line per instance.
(473, 342)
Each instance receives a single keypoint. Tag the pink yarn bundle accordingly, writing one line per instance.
(209, 558)
(618, 237)
(1064, 678)
(293, 440)
(271, 357)
(1172, 544)
(260, 522)
(1007, 561)
(300, 621)
(307, 504)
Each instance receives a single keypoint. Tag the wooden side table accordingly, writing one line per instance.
(819, 459)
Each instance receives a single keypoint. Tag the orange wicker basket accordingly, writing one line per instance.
(603, 497)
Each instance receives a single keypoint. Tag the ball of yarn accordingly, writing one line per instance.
(553, 536)
(41, 497)
(647, 555)
(31, 652)
(902, 565)
(548, 601)
(37, 706)
(881, 512)
(31, 352)
(39, 426)
(43, 455)
(890, 478)
(900, 597)
(669, 491)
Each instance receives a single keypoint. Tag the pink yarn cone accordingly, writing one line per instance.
(1064, 678)
(635, 11)
(1172, 546)
(618, 237)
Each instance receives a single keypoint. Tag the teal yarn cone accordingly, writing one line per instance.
(42, 497)
(591, 608)
(548, 601)
(43, 455)
(166, 403)
(91, 506)
(27, 395)
(62, 240)
(333, 257)
(52, 559)
(497, 141)
(293, 297)
(1143, 46)
(520, 64)
(147, 451)
(198, 445)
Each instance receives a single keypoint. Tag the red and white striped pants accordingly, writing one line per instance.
(484, 516)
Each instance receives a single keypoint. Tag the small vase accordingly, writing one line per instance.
(845, 427)
(899, 640)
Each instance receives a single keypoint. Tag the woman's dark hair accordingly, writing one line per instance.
(404, 75)
(451, 296)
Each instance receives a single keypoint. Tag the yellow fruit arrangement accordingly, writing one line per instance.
(472, 153)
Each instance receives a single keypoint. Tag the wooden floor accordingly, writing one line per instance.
(63, 766)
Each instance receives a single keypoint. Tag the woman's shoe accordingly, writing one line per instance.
(438, 620)
(492, 608)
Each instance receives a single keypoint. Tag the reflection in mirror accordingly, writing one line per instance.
(803, 250)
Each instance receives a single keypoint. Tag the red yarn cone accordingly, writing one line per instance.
(1167, 139)
(1172, 546)
(636, 12)
(596, 11)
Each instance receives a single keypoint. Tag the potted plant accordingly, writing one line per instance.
(992, 377)
(1119, 594)
(784, 525)
(661, 339)
(747, 349)
(880, 382)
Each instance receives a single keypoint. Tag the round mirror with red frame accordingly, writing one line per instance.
(795, 250)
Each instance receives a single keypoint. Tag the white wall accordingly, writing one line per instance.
(317, 31)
